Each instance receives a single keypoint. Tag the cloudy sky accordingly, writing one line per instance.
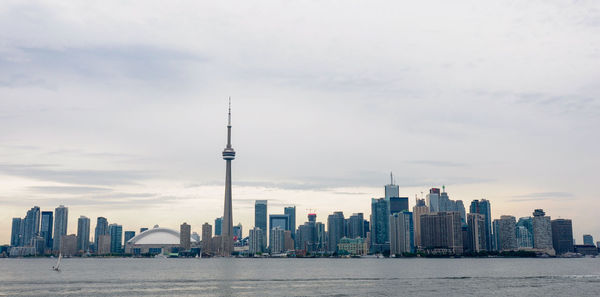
(118, 108)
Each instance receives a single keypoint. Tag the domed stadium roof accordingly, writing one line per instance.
(157, 235)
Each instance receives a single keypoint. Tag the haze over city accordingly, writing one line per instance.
(119, 111)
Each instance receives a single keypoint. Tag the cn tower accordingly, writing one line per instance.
(227, 226)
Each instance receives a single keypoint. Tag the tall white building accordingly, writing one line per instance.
(277, 240)
(255, 241)
(401, 233)
(542, 230)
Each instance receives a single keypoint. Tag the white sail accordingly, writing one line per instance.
(58, 262)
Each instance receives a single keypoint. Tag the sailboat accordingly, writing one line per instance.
(56, 267)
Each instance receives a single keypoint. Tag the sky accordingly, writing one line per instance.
(119, 108)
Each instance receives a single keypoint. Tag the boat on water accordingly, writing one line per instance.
(57, 266)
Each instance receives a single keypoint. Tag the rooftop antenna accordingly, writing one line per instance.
(229, 118)
(444, 188)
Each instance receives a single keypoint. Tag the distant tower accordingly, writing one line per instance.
(392, 190)
(227, 227)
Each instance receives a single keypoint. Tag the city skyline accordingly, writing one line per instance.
(493, 101)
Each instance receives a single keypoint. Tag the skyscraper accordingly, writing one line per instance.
(185, 232)
(260, 214)
(128, 235)
(476, 236)
(277, 240)
(419, 209)
(255, 241)
(61, 216)
(525, 232)
(46, 228)
(279, 220)
(116, 238)
(237, 232)
(483, 207)
(542, 230)
(101, 229)
(441, 232)
(206, 237)
(291, 212)
(227, 227)
(380, 222)
(218, 226)
(562, 236)
(506, 234)
(32, 225)
(15, 235)
(588, 239)
(401, 233)
(398, 204)
(356, 226)
(433, 200)
(392, 190)
(335, 230)
(83, 234)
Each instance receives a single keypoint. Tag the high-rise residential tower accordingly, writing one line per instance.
(116, 238)
(441, 232)
(227, 227)
(542, 230)
(335, 230)
(506, 239)
(15, 235)
(260, 214)
(185, 233)
(419, 209)
(483, 207)
(46, 228)
(83, 234)
(101, 229)
(401, 233)
(61, 216)
(380, 225)
(31, 226)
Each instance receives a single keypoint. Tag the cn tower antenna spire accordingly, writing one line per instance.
(229, 118)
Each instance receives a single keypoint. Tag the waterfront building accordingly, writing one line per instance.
(441, 233)
(291, 212)
(15, 235)
(306, 235)
(31, 225)
(129, 235)
(218, 226)
(185, 236)
(46, 228)
(39, 244)
(155, 241)
(352, 246)
(289, 241)
(542, 230)
(525, 233)
(101, 229)
(206, 237)
(103, 244)
(68, 245)
(277, 240)
(475, 235)
(335, 230)
(380, 225)
(143, 229)
(483, 207)
(83, 234)
(588, 239)
(505, 233)
(401, 233)
(586, 250)
(116, 238)
(356, 226)
(255, 241)
(419, 209)
(61, 217)
(562, 236)
(433, 200)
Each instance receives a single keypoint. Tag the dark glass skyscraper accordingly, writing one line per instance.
(61, 217)
(483, 207)
(562, 236)
(380, 220)
(291, 212)
(83, 234)
(32, 225)
(398, 204)
(116, 238)
(260, 214)
(335, 230)
(218, 226)
(15, 235)
(46, 228)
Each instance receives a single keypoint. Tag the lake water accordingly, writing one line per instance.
(301, 277)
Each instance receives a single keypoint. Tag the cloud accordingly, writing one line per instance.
(434, 163)
(49, 172)
(68, 190)
(543, 196)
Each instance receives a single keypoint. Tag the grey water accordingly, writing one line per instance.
(301, 277)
